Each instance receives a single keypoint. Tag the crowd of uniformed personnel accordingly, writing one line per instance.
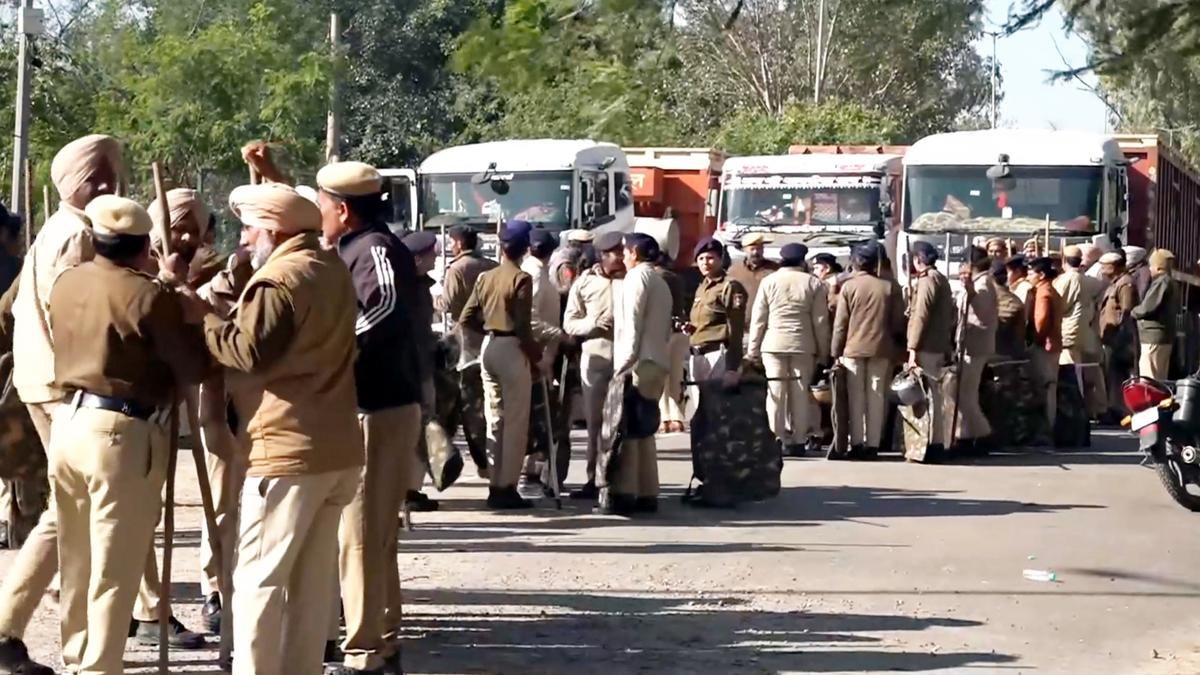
(306, 362)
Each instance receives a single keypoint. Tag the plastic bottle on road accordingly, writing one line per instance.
(1040, 575)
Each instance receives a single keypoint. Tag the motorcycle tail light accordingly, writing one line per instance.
(1141, 393)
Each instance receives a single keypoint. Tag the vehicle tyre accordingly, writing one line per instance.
(1169, 473)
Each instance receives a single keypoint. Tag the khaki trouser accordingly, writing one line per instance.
(972, 423)
(789, 404)
(37, 561)
(670, 406)
(286, 559)
(866, 380)
(933, 364)
(226, 462)
(596, 373)
(107, 472)
(1045, 369)
(637, 471)
(637, 475)
(507, 384)
(1155, 361)
(368, 535)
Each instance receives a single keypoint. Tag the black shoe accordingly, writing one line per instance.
(419, 502)
(507, 499)
(793, 450)
(179, 637)
(333, 653)
(393, 665)
(856, 452)
(870, 454)
(587, 491)
(210, 614)
(645, 505)
(813, 446)
(935, 453)
(14, 658)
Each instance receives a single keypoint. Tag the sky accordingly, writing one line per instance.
(1030, 101)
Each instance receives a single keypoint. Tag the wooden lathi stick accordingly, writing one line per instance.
(164, 607)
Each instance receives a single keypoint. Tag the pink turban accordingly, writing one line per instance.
(276, 207)
(79, 160)
(183, 203)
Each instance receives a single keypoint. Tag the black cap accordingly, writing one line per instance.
(542, 238)
(608, 241)
(792, 255)
(708, 245)
(420, 242)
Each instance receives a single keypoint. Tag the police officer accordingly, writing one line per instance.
(547, 329)
(387, 383)
(751, 270)
(790, 334)
(931, 317)
(640, 353)
(501, 306)
(121, 349)
(459, 281)
(589, 318)
(718, 319)
(423, 246)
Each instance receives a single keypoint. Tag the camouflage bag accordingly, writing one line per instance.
(1072, 426)
(22, 461)
(22, 457)
(734, 453)
(1014, 404)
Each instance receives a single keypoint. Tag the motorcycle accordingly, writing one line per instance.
(1168, 427)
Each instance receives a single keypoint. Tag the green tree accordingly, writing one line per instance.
(753, 132)
(569, 69)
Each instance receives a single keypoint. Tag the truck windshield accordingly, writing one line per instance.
(542, 197)
(954, 198)
(800, 200)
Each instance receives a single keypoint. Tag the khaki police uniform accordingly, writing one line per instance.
(719, 320)
(640, 348)
(931, 335)
(790, 332)
(589, 318)
(501, 306)
(978, 346)
(460, 280)
(64, 241)
(670, 405)
(121, 348)
(290, 354)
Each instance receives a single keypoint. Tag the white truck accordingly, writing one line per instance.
(1015, 184)
(825, 198)
(556, 184)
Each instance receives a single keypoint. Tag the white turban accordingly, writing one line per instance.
(276, 207)
(79, 160)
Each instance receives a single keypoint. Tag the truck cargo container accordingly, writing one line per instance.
(678, 184)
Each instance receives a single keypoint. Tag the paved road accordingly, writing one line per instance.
(854, 567)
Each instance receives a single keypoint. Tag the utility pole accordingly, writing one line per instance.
(29, 24)
(994, 34)
(820, 51)
(333, 121)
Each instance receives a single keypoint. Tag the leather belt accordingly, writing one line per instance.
(501, 333)
(708, 348)
(118, 405)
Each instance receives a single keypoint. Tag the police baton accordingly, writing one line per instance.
(190, 401)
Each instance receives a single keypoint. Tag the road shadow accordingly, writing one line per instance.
(797, 506)
(503, 632)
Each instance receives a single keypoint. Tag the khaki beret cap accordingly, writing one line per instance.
(1160, 259)
(1112, 258)
(580, 236)
(350, 179)
(112, 215)
(755, 238)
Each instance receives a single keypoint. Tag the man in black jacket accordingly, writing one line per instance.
(389, 406)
